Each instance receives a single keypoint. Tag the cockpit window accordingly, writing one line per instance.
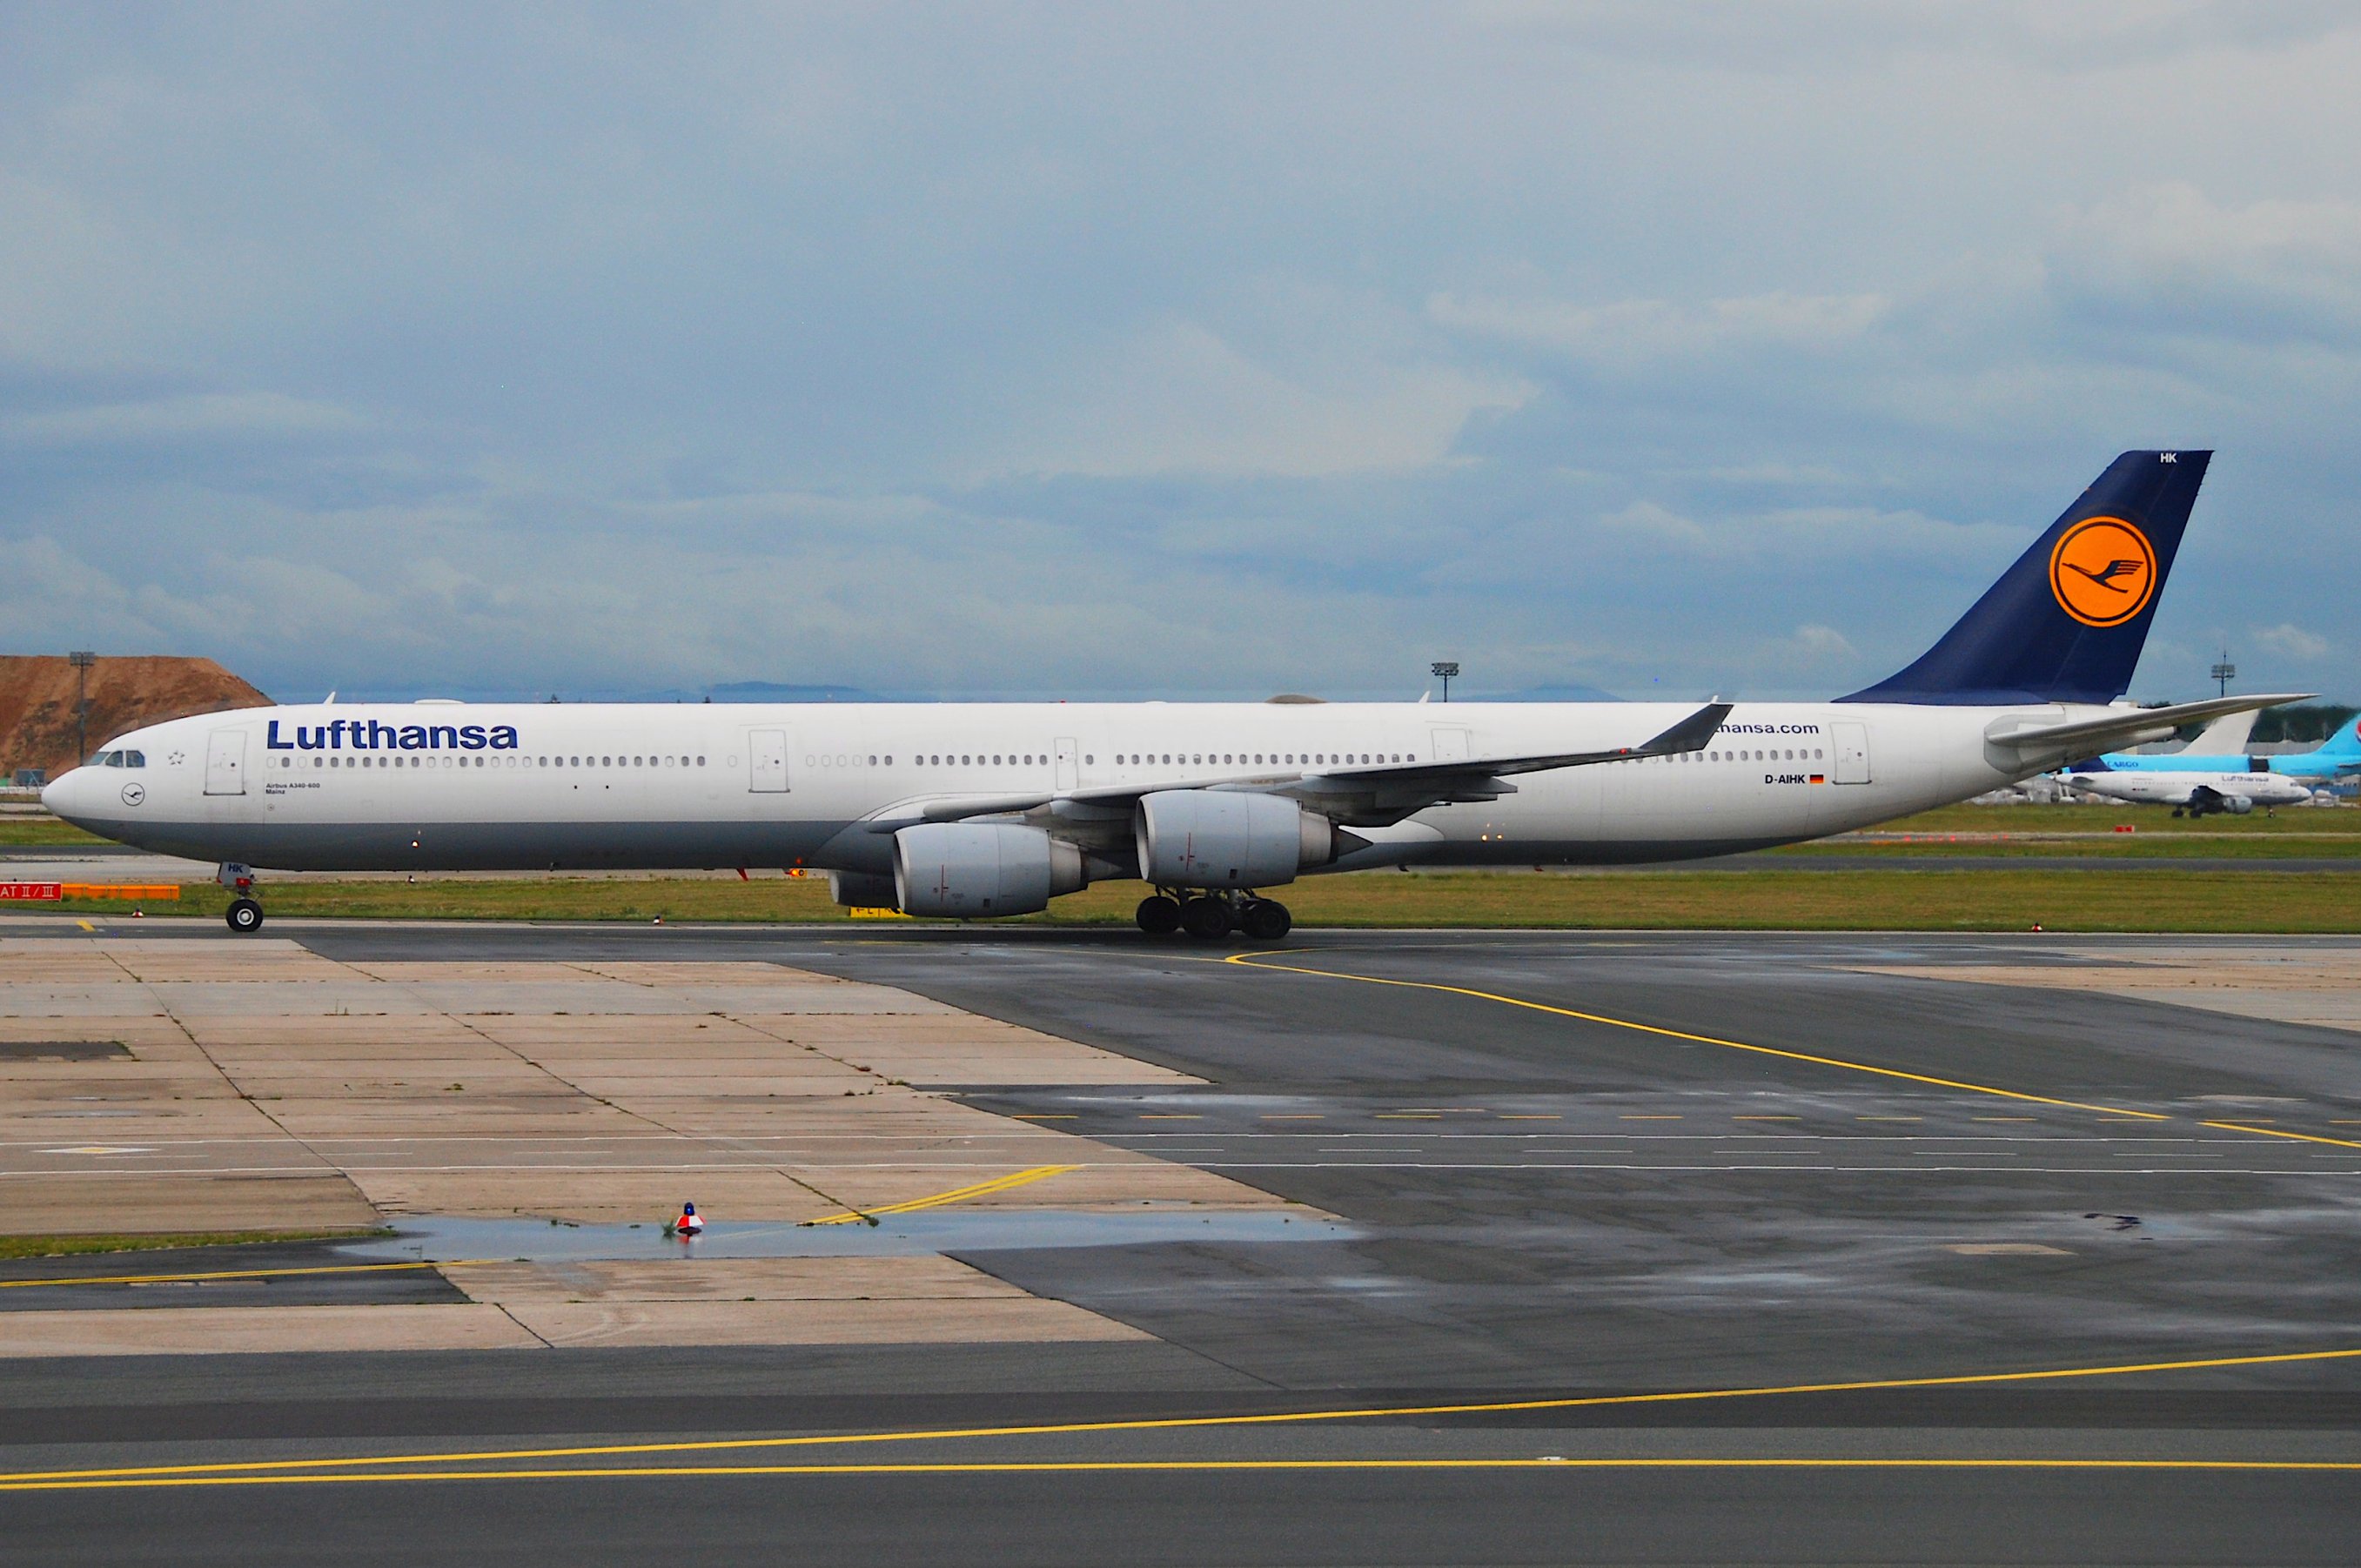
(119, 759)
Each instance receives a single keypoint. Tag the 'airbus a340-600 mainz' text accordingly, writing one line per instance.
(970, 810)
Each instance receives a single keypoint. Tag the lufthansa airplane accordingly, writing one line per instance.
(988, 809)
(2189, 792)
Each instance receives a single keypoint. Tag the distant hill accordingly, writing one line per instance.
(36, 703)
(1548, 694)
(772, 691)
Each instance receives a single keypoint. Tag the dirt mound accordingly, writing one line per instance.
(36, 703)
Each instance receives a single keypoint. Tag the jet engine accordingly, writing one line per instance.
(967, 869)
(1220, 839)
(2237, 805)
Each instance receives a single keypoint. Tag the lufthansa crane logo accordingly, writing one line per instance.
(2103, 570)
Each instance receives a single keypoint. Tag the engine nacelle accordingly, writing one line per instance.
(2237, 805)
(964, 870)
(860, 889)
(1204, 838)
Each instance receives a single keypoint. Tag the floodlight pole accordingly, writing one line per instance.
(1446, 668)
(82, 660)
(2223, 673)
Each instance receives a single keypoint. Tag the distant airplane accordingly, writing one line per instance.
(2189, 792)
(989, 810)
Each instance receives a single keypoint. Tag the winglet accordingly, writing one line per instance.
(1690, 734)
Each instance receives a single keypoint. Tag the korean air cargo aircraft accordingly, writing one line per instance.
(2337, 756)
(988, 809)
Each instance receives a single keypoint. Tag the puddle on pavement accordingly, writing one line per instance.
(437, 1240)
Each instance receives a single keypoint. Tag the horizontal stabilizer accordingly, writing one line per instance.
(2030, 737)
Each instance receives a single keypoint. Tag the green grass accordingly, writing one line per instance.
(2304, 821)
(75, 1246)
(2088, 832)
(44, 830)
(1979, 899)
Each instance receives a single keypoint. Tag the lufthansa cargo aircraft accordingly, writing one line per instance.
(987, 809)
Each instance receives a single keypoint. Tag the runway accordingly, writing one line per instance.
(1652, 1248)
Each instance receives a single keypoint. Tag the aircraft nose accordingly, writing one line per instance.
(63, 796)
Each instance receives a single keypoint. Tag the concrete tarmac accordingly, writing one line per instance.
(1664, 1248)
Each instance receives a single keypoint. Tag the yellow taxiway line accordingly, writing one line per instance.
(956, 1195)
(1167, 1466)
(241, 1273)
(409, 1464)
(1254, 961)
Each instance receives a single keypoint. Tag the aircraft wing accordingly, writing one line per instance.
(1689, 735)
(2032, 739)
(1362, 794)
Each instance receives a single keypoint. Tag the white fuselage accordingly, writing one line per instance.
(449, 786)
(2146, 788)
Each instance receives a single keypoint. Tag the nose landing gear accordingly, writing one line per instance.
(245, 916)
(1209, 916)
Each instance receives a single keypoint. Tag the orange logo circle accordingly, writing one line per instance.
(2103, 570)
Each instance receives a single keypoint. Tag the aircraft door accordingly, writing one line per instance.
(1068, 777)
(766, 759)
(1851, 745)
(226, 762)
(1450, 745)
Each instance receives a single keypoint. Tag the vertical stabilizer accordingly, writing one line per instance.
(2067, 622)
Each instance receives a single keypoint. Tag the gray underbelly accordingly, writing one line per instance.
(483, 845)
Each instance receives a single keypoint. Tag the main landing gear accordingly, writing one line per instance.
(1209, 916)
(245, 916)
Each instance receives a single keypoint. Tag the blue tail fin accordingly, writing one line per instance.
(2344, 741)
(2067, 622)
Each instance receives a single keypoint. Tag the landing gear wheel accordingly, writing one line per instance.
(1207, 919)
(1160, 916)
(245, 916)
(1266, 920)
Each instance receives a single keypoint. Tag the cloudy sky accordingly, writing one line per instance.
(1161, 350)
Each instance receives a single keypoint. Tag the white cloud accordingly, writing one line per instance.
(1179, 399)
(1821, 642)
(2292, 641)
(211, 416)
(1636, 331)
(2169, 252)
